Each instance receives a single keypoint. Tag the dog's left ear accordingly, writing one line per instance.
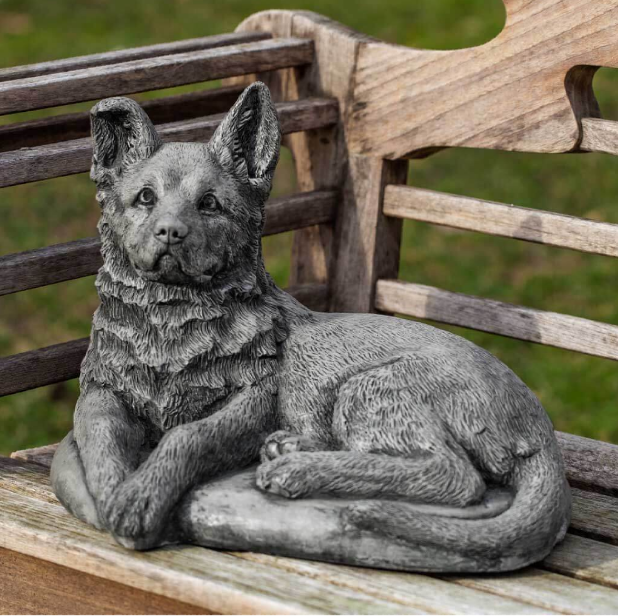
(247, 141)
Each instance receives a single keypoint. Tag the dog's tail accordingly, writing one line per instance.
(525, 532)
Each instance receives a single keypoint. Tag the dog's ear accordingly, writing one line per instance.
(122, 134)
(247, 141)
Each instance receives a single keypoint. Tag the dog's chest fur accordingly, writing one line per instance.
(176, 354)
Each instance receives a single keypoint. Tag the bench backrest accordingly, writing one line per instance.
(353, 110)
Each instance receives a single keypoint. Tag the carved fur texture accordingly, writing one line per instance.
(380, 442)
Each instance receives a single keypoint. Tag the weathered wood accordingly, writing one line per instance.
(365, 245)
(32, 509)
(525, 90)
(52, 364)
(125, 55)
(549, 328)
(61, 362)
(599, 136)
(43, 266)
(590, 464)
(218, 582)
(33, 586)
(503, 220)
(151, 74)
(595, 516)
(548, 591)
(585, 559)
(422, 592)
(37, 455)
(77, 125)
(61, 262)
(69, 157)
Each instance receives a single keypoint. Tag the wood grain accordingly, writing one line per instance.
(218, 582)
(71, 126)
(365, 245)
(590, 464)
(525, 90)
(549, 328)
(61, 362)
(32, 511)
(125, 55)
(70, 157)
(151, 74)
(504, 220)
(599, 136)
(33, 586)
(61, 262)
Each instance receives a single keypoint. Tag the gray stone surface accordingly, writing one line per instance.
(380, 441)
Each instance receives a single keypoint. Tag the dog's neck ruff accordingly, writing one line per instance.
(174, 353)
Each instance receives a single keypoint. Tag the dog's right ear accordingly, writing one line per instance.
(122, 134)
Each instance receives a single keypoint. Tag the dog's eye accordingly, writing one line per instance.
(208, 203)
(146, 197)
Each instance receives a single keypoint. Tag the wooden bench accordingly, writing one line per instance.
(353, 110)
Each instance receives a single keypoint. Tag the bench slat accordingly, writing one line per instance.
(70, 157)
(525, 592)
(152, 74)
(599, 136)
(216, 581)
(500, 219)
(61, 262)
(125, 55)
(77, 125)
(61, 362)
(549, 328)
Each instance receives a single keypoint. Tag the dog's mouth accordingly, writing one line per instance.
(168, 268)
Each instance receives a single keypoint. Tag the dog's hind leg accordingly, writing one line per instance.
(441, 479)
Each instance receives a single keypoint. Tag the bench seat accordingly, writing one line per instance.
(56, 564)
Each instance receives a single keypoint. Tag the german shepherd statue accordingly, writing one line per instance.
(215, 409)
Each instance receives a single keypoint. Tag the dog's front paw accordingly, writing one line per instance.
(135, 512)
(289, 476)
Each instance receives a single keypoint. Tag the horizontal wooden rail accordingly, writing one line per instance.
(599, 136)
(549, 328)
(126, 55)
(69, 157)
(61, 262)
(61, 362)
(152, 73)
(77, 125)
(500, 219)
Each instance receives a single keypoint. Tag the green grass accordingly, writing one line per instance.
(578, 391)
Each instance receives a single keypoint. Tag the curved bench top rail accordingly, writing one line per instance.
(125, 55)
(61, 262)
(526, 90)
(152, 73)
(162, 110)
(548, 328)
(61, 362)
(521, 223)
(70, 157)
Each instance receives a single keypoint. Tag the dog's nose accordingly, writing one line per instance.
(170, 230)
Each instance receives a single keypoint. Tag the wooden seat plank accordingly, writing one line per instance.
(219, 582)
(546, 592)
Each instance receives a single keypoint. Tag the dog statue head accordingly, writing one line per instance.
(185, 213)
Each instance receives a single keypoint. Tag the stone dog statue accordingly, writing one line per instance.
(382, 442)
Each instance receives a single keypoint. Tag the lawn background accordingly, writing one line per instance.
(579, 392)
